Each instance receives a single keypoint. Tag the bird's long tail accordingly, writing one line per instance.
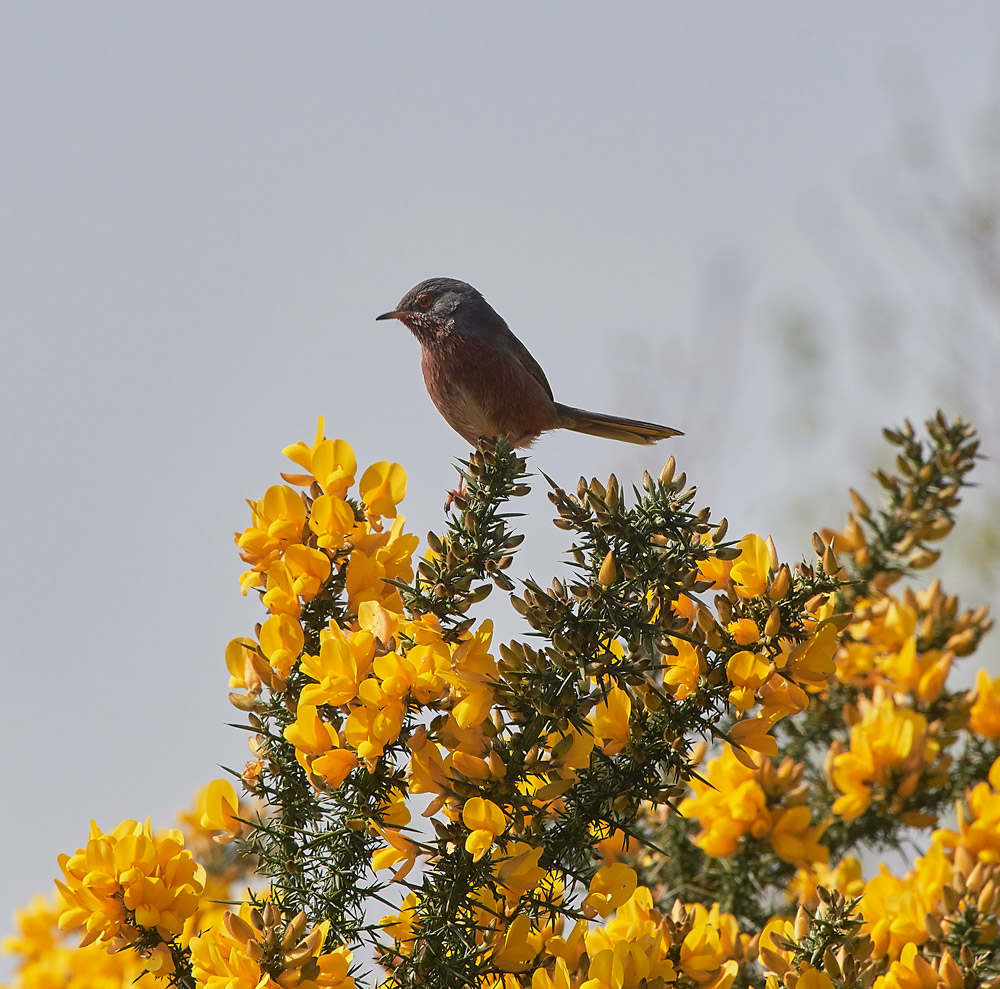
(612, 427)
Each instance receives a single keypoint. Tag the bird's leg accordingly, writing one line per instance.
(458, 492)
(483, 443)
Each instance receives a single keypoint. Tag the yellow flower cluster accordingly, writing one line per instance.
(884, 645)
(892, 751)
(232, 954)
(370, 687)
(49, 960)
(293, 536)
(897, 653)
(637, 948)
(769, 802)
(908, 923)
(984, 715)
(381, 703)
(293, 544)
(771, 679)
(369, 674)
(127, 881)
(163, 897)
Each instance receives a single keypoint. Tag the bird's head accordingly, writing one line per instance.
(439, 305)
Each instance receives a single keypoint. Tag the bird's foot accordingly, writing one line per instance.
(459, 492)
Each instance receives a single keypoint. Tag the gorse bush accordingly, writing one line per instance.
(670, 778)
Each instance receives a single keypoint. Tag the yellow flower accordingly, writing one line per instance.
(616, 967)
(308, 568)
(684, 669)
(922, 675)
(631, 948)
(426, 772)
(517, 947)
(317, 746)
(382, 623)
(340, 668)
(882, 648)
(382, 488)
(396, 673)
(475, 671)
(376, 722)
(569, 949)
(240, 665)
(334, 967)
(811, 662)
(280, 597)
(713, 569)
(780, 697)
(394, 811)
(845, 877)
(731, 942)
(400, 927)
(485, 820)
(610, 720)
(333, 522)
(703, 957)
(812, 978)
(611, 886)
(557, 979)
(154, 878)
(894, 913)
(795, 838)
(744, 631)
(277, 521)
(400, 849)
(281, 641)
(730, 804)
(431, 656)
(468, 747)
(984, 716)
(886, 740)
(979, 825)
(748, 669)
(250, 579)
(753, 734)
(472, 767)
(773, 957)
(330, 463)
(376, 557)
(47, 962)
(910, 971)
(750, 570)
(518, 869)
(37, 926)
(570, 749)
(218, 808)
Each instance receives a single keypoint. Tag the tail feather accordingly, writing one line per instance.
(612, 427)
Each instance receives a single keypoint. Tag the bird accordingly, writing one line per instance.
(484, 381)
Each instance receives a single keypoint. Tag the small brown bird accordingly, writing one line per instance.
(482, 378)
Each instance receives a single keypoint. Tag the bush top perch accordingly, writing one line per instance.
(482, 378)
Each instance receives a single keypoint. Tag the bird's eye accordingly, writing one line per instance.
(425, 301)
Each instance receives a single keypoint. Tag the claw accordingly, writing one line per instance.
(458, 492)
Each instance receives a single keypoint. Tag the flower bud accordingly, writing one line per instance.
(773, 624)
(780, 584)
(608, 572)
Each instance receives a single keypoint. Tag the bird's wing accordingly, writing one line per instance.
(528, 362)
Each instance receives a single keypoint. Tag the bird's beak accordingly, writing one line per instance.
(395, 314)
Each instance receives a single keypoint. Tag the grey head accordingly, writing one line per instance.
(442, 305)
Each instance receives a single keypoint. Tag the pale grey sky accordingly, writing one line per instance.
(205, 205)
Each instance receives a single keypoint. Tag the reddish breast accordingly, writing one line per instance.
(485, 391)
